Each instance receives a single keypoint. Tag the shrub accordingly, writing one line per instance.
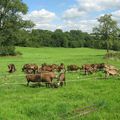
(7, 50)
(112, 55)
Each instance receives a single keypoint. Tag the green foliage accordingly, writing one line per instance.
(7, 50)
(107, 30)
(112, 55)
(11, 21)
(116, 45)
(58, 38)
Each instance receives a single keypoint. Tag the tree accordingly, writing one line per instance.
(59, 39)
(11, 21)
(107, 29)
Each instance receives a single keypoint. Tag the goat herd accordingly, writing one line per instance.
(46, 73)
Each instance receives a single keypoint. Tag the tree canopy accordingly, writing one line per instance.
(107, 30)
(11, 20)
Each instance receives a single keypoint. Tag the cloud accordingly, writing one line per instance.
(98, 5)
(86, 7)
(73, 13)
(46, 26)
(42, 18)
(82, 15)
(116, 15)
(84, 25)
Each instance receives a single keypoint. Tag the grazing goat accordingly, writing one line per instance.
(30, 68)
(45, 77)
(61, 67)
(73, 68)
(33, 78)
(11, 68)
(61, 79)
(110, 70)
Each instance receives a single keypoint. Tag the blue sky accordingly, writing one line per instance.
(70, 14)
(57, 6)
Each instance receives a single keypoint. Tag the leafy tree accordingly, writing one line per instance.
(11, 21)
(59, 39)
(107, 29)
(22, 38)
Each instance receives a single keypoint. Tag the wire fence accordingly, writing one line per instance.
(77, 79)
(68, 81)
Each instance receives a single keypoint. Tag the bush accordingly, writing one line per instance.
(73, 44)
(112, 55)
(116, 45)
(18, 53)
(7, 50)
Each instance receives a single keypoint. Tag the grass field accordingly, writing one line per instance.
(19, 102)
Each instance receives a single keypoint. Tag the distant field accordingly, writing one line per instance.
(19, 102)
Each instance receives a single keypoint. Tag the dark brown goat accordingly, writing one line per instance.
(30, 68)
(100, 66)
(88, 69)
(54, 67)
(73, 68)
(61, 67)
(11, 68)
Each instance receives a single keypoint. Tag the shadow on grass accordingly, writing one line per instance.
(33, 85)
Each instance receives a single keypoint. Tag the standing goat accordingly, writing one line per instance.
(61, 79)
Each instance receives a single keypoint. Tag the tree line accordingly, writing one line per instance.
(14, 31)
(69, 39)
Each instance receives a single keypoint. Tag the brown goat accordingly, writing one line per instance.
(11, 68)
(72, 68)
(61, 79)
(47, 68)
(88, 68)
(45, 77)
(33, 78)
(61, 67)
(30, 68)
(54, 67)
(100, 66)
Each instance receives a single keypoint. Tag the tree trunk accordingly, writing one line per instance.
(107, 41)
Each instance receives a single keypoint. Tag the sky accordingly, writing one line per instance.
(70, 14)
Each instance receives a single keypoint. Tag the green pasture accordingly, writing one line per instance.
(90, 97)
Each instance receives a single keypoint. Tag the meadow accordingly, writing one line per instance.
(19, 102)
